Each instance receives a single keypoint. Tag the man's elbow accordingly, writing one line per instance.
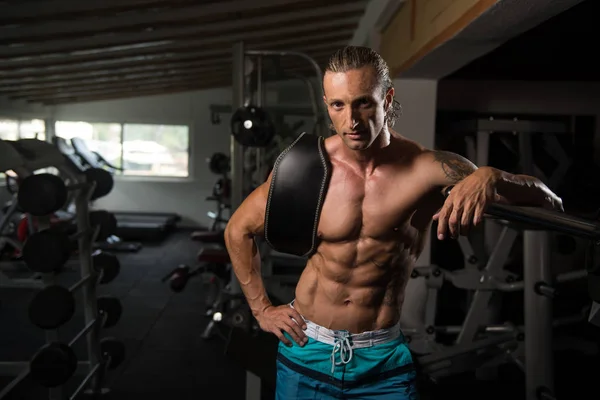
(234, 232)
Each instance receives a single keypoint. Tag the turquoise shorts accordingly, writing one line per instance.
(339, 365)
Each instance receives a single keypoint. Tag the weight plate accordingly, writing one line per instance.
(219, 163)
(104, 181)
(106, 221)
(252, 127)
(53, 364)
(107, 264)
(47, 251)
(109, 310)
(113, 351)
(52, 307)
(42, 194)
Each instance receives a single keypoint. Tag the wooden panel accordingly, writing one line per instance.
(422, 25)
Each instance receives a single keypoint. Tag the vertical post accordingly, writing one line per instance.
(526, 153)
(49, 127)
(236, 149)
(90, 311)
(538, 314)
(260, 96)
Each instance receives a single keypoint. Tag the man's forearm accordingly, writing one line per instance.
(523, 190)
(245, 261)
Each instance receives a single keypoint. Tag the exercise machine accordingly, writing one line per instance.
(46, 252)
(252, 133)
(482, 341)
(111, 242)
(130, 225)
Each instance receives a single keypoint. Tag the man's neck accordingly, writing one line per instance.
(369, 159)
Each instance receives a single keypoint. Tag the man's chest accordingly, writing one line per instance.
(378, 206)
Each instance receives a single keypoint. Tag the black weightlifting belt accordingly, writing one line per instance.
(300, 180)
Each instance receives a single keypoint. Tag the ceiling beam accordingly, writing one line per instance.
(44, 32)
(149, 17)
(60, 47)
(111, 94)
(198, 59)
(59, 85)
(307, 43)
(132, 92)
(199, 66)
(220, 60)
(171, 89)
(112, 83)
(83, 89)
(25, 10)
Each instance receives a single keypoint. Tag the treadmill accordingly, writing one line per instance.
(131, 225)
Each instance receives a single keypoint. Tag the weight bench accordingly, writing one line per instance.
(217, 237)
(213, 256)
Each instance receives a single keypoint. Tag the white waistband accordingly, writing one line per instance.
(357, 340)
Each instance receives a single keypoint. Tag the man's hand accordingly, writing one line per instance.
(278, 320)
(465, 205)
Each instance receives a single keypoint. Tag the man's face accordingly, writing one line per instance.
(356, 105)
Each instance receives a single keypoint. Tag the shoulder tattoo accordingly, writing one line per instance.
(455, 167)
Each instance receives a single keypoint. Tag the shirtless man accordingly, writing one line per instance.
(340, 337)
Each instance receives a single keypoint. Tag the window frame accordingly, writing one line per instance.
(149, 121)
(21, 117)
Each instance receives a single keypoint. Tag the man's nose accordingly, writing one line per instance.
(353, 119)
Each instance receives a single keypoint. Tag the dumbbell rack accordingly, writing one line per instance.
(40, 368)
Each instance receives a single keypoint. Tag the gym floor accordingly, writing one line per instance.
(166, 357)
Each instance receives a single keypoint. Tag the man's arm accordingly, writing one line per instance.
(245, 224)
(450, 168)
(516, 189)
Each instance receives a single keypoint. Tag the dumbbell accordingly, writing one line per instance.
(43, 194)
(55, 362)
(179, 277)
(54, 306)
(48, 250)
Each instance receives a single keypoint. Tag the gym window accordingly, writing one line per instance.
(151, 150)
(15, 129)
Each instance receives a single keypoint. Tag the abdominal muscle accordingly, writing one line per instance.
(356, 287)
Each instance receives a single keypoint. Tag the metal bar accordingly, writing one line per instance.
(509, 125)
(80, 283)
(8, 214)
(481, 298)
(89, 289)
(540, 218)
(13, 384)
(82, 332)
(85, 381)
(311, 61)
(538, 314)
(273, 109)
(460, 349)
(237, 150)
(483, 148)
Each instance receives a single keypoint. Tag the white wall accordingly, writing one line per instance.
(183, 196)
(418, 98)
(558, 98)
(21, 109)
